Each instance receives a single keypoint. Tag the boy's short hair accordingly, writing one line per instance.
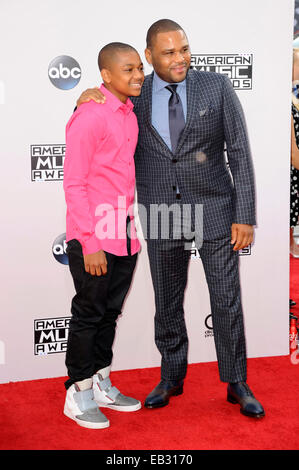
(161, 26)
(107, 52)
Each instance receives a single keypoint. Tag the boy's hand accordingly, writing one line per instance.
(91, 94)
(242, 235)
(96, 263)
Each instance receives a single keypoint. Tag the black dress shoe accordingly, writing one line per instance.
(240, 393)
(160, 395)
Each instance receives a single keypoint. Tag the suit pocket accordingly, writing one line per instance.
(207, 126)
(206, 112)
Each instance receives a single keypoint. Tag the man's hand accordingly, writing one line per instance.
(96, 263)
(242, 235)
(91, 94)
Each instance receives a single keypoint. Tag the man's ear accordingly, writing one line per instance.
(106, 75)
(148, 56)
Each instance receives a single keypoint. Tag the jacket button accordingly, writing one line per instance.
(178, 196)
(174, 160)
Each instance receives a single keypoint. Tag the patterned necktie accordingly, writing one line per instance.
(176, 116)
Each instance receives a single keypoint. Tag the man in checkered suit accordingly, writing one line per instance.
(193, 175)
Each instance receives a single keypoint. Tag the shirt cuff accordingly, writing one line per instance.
(91, 245)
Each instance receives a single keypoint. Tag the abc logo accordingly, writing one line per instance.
(208, 322)
(64, 72)
(59, 249)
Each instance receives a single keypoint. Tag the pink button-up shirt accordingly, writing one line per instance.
(99, 175)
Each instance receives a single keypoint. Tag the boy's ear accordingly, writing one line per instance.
(148, 56)
(106, 75)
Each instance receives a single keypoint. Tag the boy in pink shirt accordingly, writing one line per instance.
(99, 184)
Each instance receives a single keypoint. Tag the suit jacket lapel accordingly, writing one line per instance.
(147, 106)
(193, 96)
(146, 97)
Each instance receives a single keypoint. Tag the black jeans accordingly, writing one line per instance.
(95, 308)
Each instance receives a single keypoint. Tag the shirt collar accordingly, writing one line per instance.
(159, 84)
(114, 103)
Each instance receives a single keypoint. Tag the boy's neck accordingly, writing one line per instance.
(122, 98)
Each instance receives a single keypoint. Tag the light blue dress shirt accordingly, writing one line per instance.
(160, 98)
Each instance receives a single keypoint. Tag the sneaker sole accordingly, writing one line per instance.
(119, 407)
(87, 424)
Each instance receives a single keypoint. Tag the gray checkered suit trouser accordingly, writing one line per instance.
(169, 265)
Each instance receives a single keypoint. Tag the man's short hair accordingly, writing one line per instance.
(161, 26)
(108, 52)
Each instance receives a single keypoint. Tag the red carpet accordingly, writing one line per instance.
(294, 283)
(201, 418)
(31, 415)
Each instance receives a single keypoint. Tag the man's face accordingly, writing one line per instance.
(125, 75)
(170, 56)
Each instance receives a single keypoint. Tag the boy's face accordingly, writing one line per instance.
(125, 75)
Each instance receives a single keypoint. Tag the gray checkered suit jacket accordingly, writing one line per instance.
(198, 167)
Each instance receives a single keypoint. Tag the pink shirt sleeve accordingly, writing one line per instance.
(83, 133)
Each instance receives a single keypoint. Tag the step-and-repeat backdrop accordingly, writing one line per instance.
(48, 57)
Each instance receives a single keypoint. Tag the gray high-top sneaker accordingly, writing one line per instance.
(107, 396)
(82, 408)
